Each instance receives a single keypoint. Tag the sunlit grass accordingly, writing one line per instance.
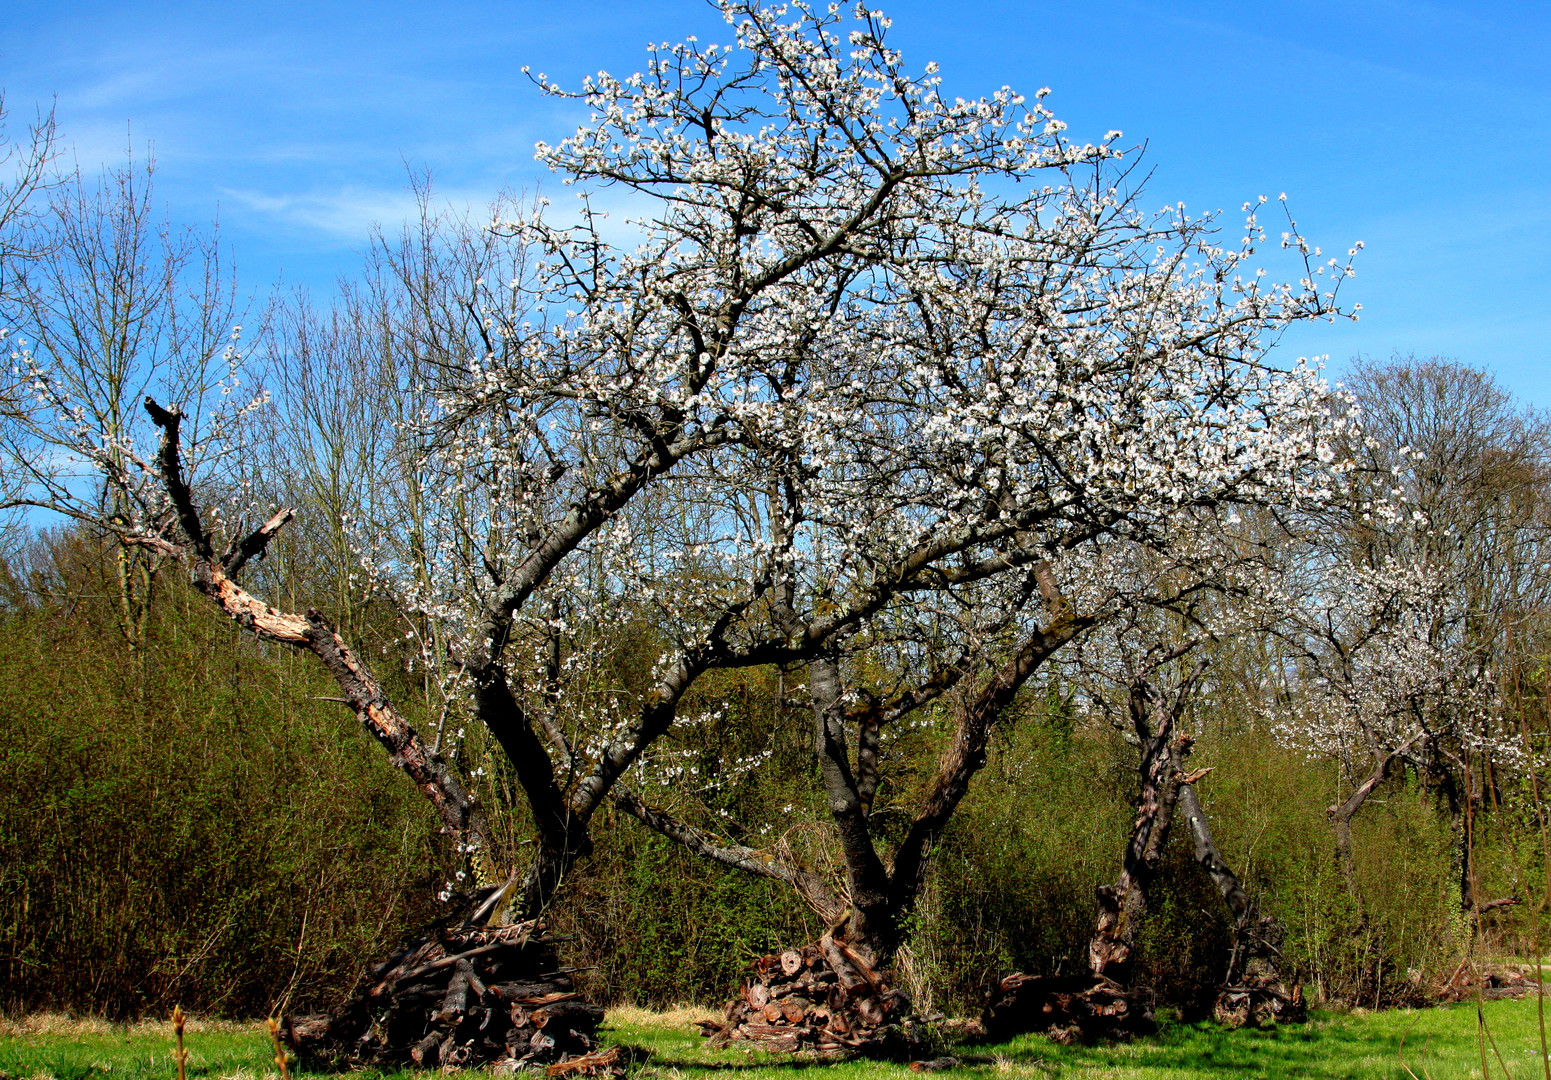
(1440, 1044)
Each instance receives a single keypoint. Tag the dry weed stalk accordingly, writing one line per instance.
(180, 1055)
(282, 1062)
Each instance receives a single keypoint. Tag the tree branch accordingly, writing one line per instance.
(764, 864)
(312, 632)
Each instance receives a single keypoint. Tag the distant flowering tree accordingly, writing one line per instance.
(1423, 589)
(1383, 681)
(879, 354)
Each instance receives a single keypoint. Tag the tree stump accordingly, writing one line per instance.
(460, 998)
(1068, 1008)
(825, 999)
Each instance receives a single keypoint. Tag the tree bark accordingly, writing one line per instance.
(880, 898)
(1257, 938)
(1123, 905)
(872, 925)
(1252, 990)
(966, 756)
(214, 576)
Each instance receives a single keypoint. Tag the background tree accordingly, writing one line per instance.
(1430, 588)
(114, 303)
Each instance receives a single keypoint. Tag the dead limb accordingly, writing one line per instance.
(214, 576)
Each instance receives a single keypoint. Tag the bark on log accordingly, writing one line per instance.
(216, 576)
(1068, 1008)
(461, 998)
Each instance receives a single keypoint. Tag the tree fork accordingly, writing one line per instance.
(213, 576)
(1252, 989)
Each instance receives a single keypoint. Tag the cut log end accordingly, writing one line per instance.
(825, 1000)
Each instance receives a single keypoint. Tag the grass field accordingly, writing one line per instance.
(1440, 1044)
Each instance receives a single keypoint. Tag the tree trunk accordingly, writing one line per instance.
(872, 926)
(1101, 1004)
(1341, 815)
(1123, 905)
(1240, 907)
(965, 755)
(1252, 990)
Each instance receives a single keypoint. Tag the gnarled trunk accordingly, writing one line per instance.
(1102, 1004)
(1252, 990)
(872, 923)
(1123, 905)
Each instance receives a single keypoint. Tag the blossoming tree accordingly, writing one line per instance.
(874, 352)
(1425, 589)
(972, 367)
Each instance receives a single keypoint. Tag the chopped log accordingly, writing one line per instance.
(824, 999)
(532, 993)
(456, 1001)
(459, 997)
(934, 1065)
(1258, 1001)
(567, 1013)
(427, 1052)
(1068, 1008)
(605, 1062)
(1491, 984)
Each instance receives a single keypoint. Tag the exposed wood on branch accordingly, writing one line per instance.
(313, 633)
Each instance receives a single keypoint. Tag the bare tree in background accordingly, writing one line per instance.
(111, 303)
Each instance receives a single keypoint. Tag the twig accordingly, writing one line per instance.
(282, 1062)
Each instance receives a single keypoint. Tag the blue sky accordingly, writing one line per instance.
(1422, 129)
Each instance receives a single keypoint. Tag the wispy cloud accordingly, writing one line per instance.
(348, 213)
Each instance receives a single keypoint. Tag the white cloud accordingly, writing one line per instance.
(345, 214)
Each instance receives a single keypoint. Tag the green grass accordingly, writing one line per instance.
(1440, 1045)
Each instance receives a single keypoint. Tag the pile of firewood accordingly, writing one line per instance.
(1492, 984)
(825, 999)
(1258, 1001)
(1068, 1008)
(461, 998)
